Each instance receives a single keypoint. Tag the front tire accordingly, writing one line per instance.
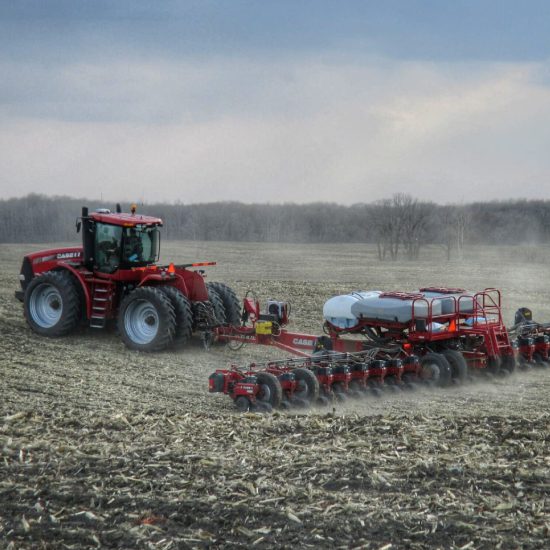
(147, 320)
(52, 304)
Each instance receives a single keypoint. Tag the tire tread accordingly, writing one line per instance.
(71, 315)
(167, 317)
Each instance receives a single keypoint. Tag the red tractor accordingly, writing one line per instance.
(115, 275)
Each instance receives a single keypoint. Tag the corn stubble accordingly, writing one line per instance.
(104, 447)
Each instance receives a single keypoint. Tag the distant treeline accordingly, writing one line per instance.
(398, 225)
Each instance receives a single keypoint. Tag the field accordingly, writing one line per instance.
(104, 447)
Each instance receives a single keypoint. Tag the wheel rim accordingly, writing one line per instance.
(46, 305)
(141, 321)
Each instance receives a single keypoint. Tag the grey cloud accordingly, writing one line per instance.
(289, 130)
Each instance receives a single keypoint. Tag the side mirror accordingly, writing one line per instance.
(78, 225)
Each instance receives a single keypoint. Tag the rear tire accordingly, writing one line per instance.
(147, 320)
(52, 304)
(184, 316)
(459, 367)
(230, 302)
(217, 304)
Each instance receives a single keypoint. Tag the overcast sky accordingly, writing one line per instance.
(275, 101)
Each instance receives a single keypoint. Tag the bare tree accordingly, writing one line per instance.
(399, 225)
(388, 224)
(452, 222)
(401, 221)
(416, 221)
(462, 219)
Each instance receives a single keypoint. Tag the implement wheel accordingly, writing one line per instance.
(307, 386)
(184, 317)
(508, 363)
(242, 403)
(52, 304)
(434, 368)
(459, 367)
(147, 320)
(494, 366)
(270, 389)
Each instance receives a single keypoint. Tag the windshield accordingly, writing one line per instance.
(140, 245)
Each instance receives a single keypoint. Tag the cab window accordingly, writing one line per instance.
(140, 245)
(107, 247)
(132, 246)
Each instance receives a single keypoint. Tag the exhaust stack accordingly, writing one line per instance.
(88, 239)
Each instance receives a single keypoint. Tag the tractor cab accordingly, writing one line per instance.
(113, 241)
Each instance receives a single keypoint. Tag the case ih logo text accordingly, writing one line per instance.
(67, 255)
(303, 342)
(246, 337)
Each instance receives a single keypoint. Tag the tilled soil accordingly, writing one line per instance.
(104, 447)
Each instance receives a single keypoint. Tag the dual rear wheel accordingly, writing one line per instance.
(222, 295)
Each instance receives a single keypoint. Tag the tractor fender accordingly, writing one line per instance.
(194, 283)
(175, 280)
(84, 287)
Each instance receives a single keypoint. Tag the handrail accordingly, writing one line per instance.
(487, 308)
(452, 317)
